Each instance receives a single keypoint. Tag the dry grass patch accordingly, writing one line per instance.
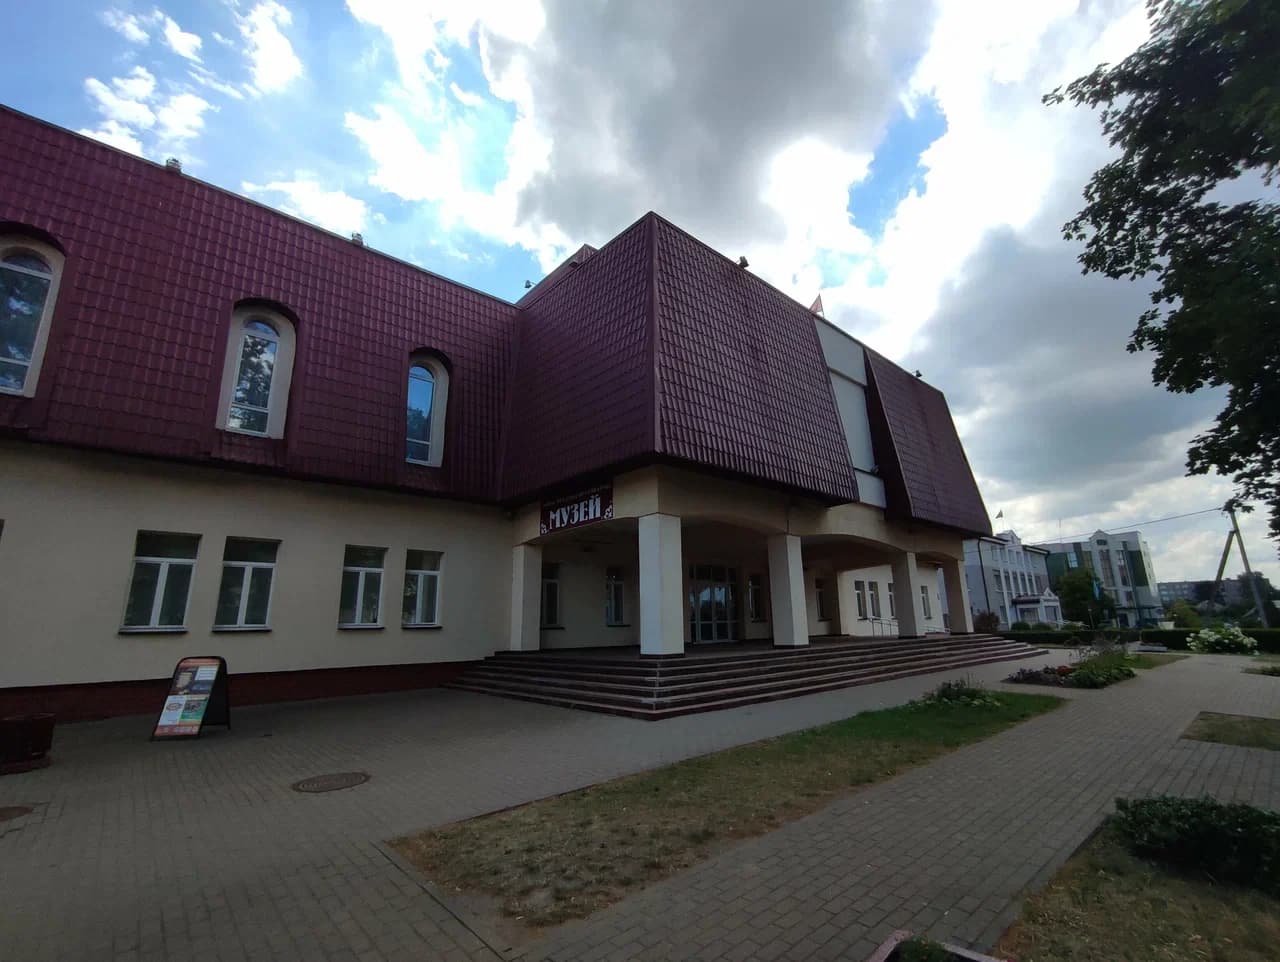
(1245, 730)
(1106, 905)
(563, 858)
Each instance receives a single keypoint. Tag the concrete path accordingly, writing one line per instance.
(200, 851)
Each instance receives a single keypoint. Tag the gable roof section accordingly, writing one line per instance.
(582, 393)
(742, 384)
(926, 473)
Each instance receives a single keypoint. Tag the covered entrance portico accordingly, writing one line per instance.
(679, 560)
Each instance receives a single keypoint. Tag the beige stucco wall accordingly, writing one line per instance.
(66, 551)
(583, 569)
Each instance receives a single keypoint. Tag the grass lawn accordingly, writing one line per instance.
(1142, 659)
(1243, 730)
(564, 857)
(1106, 905)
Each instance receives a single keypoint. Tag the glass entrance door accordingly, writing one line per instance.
(713, 603)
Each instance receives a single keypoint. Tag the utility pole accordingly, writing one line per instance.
(1248, 572)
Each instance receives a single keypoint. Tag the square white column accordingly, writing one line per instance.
(848, 597)
(786, 591)
(953, 581)
(661, 585)
(906, 594)
(526, 597)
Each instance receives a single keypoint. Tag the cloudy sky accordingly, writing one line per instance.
(892, 154)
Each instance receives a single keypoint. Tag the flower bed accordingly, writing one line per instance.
(1097, 671)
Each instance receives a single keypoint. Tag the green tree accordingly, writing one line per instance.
(1183, 615)
(1196, 107)
(1083, 599)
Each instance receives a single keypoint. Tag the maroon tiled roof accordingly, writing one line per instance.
(653, 348)
(659, 346)
(741, 379)
(582, 392)
(155, 263)
(927, 476)
(570, 264)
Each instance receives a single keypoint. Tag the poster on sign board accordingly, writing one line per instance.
(198, 695)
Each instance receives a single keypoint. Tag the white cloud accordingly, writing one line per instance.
(136, 117)
(180, 119)
(272, 61)
(116, 134)
(183, 44)
(304, 197)
(125, 100)
(128, 25)
(465, 97)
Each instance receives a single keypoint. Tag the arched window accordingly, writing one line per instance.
(29, 274)
(427, 396)
(257, 372)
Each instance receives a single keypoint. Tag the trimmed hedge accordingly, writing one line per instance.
(1064, 637)
(1228, 842)
(1173, 638)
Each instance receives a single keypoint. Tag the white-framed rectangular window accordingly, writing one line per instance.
(550, 595)
(820, 596)
(614, 594)
(421, 604)
(860, 592)
(893, 602)
(755, 597)
(924, 600)
(244, 596)
(360, 602)
(163, 565)
(873, 588)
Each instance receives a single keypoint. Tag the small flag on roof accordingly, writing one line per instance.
(1000, 514)
(816, 306)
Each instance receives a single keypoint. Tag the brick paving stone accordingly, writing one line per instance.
(139, 851)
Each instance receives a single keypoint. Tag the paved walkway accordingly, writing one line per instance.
(200, 851)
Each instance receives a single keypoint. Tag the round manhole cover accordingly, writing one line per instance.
(8, 812)
(331, 783)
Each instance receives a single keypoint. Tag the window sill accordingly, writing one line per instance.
(421, 627)
(153, 630)
(617, 624)
(242, 629)
(551, 627)
(361, 627)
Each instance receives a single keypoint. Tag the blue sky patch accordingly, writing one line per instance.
(896, 169)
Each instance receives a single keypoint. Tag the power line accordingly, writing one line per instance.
(1136, 524)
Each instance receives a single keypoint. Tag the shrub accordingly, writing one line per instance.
(1227, 639)
(1272, 670)
(986, 622)
(1020, 626)
(917, 949)
(1042, 626)
(961, 692)
(1228, 842)
(1175, 638)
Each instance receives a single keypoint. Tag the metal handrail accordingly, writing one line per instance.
(886, 622)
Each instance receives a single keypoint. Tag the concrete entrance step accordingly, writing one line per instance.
(716, 685)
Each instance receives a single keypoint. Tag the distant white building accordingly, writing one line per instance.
(1010, 579)
(1122, 562)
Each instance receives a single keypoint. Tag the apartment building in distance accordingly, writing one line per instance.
(1122, 563)
(1011, 579)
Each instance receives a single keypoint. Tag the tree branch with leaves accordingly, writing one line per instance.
(1195, 115)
